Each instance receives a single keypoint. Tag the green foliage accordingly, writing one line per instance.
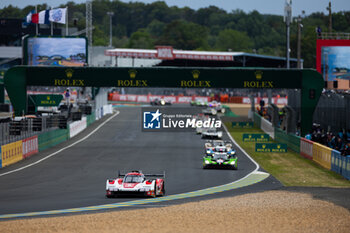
(140, 25)
(233, 40)
(184, 35)
(141, 39)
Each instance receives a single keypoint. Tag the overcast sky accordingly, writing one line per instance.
(263, 6)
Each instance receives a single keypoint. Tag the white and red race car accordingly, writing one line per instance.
(136, 183)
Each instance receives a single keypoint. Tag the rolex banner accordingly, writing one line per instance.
(255, 137)
(271, 147)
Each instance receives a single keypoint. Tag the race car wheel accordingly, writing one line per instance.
(155, 190)
(234, 167)
(110, 194)
(163, 189)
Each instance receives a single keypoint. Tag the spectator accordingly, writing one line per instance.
(308, 136)
(346, 150)
(339, 145)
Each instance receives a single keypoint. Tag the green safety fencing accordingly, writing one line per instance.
(52, 138)
(291, 140)
(328, 158)
(90, 118)
(257, 120)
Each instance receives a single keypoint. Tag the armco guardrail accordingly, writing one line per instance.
(306, 148)
(292, 141)
(322, 155)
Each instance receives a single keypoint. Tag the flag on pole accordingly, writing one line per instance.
(43, 17)
(35, 18)
(28, 18)
(58, 15)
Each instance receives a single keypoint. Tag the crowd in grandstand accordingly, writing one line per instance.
(339, 141)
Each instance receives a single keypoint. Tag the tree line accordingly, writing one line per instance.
(140, 25)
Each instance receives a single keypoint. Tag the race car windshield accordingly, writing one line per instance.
(218, 144)
(133, 179)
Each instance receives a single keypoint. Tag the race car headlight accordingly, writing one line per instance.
(233, 163)
(233, 152)
(207, 162)
(162, 102)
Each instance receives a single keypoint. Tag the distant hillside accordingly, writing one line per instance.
(139, 25)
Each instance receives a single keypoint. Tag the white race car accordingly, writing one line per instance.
(212, 144)
(211, 133)
(210, 111)
(136, 183)
(219, 146)
(217, 106)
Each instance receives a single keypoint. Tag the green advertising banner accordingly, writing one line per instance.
(271, 147)
(242, 125)
(46, 100)
(255, 137)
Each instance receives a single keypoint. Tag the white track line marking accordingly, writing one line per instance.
(244, 152)
(64, 148)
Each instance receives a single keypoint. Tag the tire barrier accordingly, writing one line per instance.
(306, 148)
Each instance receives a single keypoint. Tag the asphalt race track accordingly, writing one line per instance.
(76, 177)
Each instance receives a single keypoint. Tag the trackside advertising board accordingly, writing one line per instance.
(76, 127)
(255, 137)
(242, 125)
(30, 146)
(11, 153)
(271, 147)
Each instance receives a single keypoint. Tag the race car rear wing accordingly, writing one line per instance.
(156, 175)
(120, 174)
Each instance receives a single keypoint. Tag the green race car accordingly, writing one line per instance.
(220, 160)
(199, 103)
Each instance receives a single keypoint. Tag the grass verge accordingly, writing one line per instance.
(289, 168)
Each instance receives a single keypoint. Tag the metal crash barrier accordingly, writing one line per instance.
(325, 156)
(306, 148)
(322, 155)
